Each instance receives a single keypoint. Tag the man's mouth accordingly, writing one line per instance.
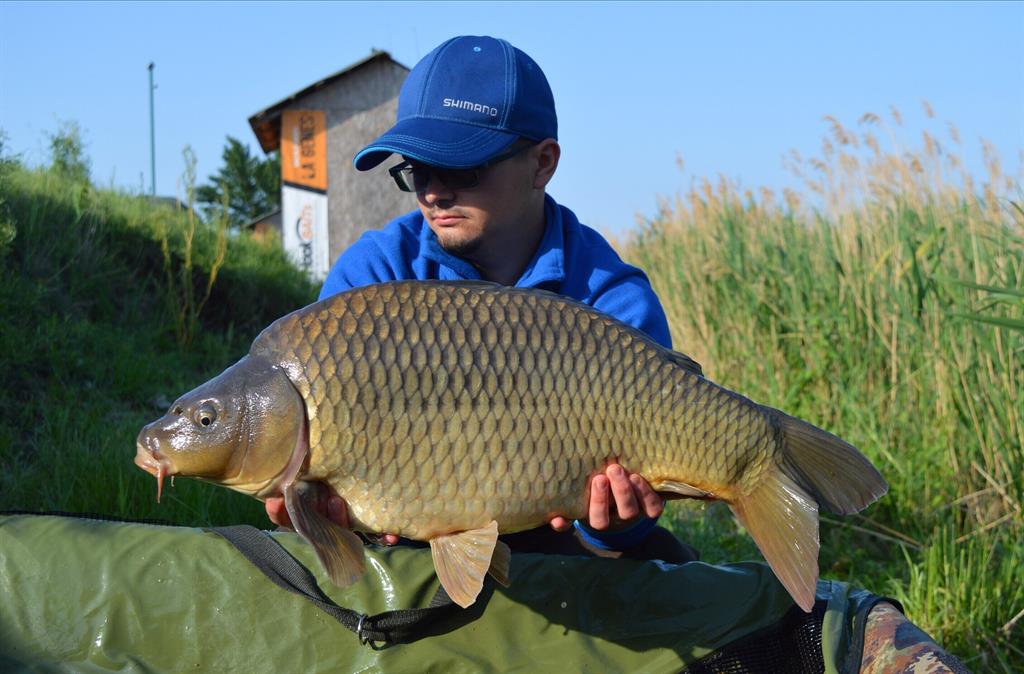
(443, 219)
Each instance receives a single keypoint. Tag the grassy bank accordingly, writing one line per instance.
(89, 346)
(863, 316)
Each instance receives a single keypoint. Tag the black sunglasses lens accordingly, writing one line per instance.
(417, 178)
(458, 179)
(407, 178)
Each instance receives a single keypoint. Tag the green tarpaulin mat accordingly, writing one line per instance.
(84, 595)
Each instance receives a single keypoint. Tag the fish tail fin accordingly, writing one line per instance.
(781, 512)
(833, 471)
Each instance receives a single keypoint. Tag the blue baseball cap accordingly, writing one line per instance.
(465, 102)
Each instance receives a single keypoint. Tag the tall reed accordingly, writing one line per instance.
(180, 285)
(850, 304)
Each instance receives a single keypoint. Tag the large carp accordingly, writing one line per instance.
(450, 412)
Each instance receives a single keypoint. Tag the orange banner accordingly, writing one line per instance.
(304, 148)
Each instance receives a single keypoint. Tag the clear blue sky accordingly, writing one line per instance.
(729, 87)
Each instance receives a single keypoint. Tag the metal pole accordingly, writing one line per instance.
(152, 136)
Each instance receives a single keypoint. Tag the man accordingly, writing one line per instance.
(478, 132)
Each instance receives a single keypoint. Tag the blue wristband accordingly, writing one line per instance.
(616, 540)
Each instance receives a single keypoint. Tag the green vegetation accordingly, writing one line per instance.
(90, 345)
(247, 185)
(892, 316)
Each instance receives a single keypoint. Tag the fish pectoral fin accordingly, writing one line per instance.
(339, 549)
(500, 563)
(680, 489)
(462, 560)
(782, 518)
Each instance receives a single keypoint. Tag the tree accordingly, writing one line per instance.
(67, 152)
(252, 185)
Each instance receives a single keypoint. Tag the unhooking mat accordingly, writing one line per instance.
(83, 595)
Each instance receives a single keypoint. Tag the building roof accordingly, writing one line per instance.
(269, 216)
(266, 123)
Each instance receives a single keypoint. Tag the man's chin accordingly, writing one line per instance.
(458, 245)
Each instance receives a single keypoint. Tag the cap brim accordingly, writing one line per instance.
(437, 142)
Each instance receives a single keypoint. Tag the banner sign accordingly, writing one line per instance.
(304, 149)
(304, 190)
(304, 229)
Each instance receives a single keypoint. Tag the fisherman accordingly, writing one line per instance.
(478, 136)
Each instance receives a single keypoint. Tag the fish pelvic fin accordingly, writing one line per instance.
(831, 470)
(463, 559)
(782, 518)
(672, 489)
(339, 550)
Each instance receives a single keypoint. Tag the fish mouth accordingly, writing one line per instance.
(156, 465)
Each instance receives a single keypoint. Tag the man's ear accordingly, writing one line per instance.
(546, 154)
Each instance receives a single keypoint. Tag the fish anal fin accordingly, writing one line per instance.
(782, 518)
(677, 489)
(462, 560)
(338, 549)
(500, 563)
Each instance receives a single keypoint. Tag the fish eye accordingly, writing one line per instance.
(205, 415)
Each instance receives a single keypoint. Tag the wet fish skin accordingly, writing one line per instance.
(437, 408)
(423, 402)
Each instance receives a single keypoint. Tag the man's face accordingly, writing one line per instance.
(494, 211)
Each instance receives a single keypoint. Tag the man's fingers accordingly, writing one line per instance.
(560, 524)
(650, 501)
(599, 500)
(337, 512)
(277, 513)
(327, 503)
(622, 489)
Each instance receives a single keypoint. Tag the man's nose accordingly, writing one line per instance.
(436, 192)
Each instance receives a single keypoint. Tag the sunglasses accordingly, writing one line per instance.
(412, 176)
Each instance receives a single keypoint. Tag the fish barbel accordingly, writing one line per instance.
(449, 412)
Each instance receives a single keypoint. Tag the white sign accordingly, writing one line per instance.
(304, 230)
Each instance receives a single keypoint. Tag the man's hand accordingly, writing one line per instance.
(328, 504)
(632, 496)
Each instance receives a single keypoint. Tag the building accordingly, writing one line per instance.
(262, 225)
(326, 204)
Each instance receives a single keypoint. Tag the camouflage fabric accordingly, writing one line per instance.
(894, 645)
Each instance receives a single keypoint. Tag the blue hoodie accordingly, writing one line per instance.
(572, 260)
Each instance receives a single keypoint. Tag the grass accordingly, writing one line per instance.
(891, 315)
(90, 343)
(888, 313)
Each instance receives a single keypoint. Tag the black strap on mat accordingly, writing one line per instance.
(383, 629)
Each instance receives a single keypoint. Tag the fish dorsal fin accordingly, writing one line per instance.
(472, 284)
(339, 549)
(685, 362)
(462, 560)
(682, 489)
(782, 518)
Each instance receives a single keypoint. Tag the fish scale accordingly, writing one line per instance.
(452, 411)
(445, 375)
